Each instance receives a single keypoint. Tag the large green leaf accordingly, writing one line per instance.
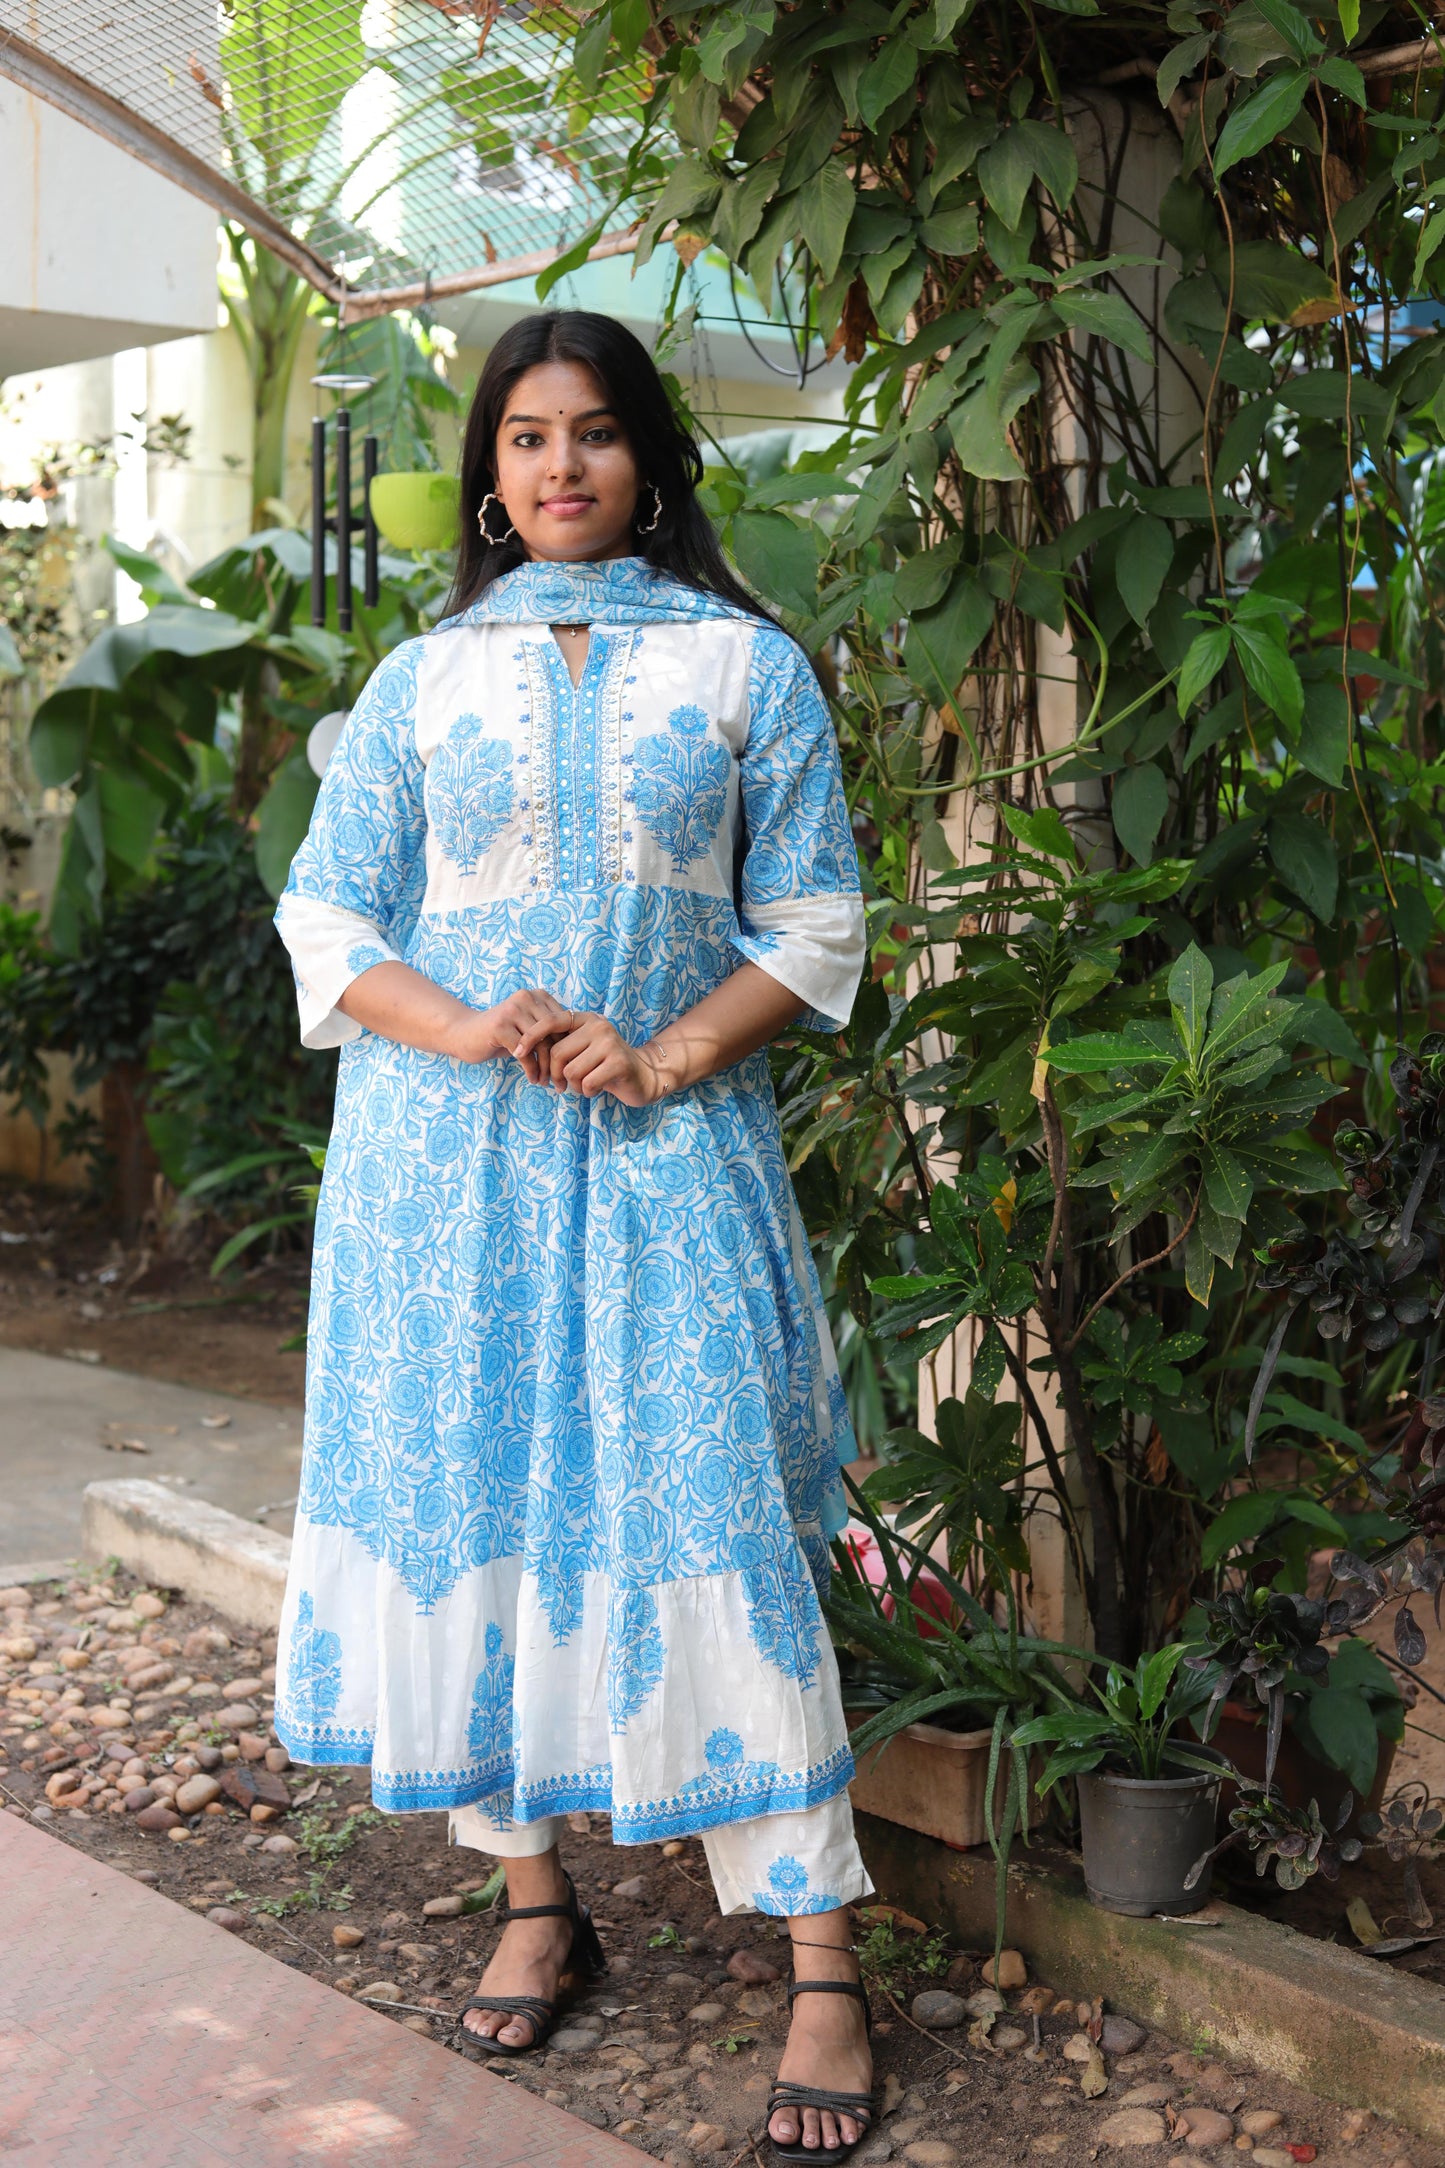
(1272, 281)
(779, 558)
(940, 642)
(58, 734)
(923, 579)
(1258, 118)
(1191, 985)
(1208, 653)
(287, 76)
(1340, 1724)
(1306, 861)
(887, 76)
(691, 186)
(1052, 157)
(1095, 1052)
(130, 817)
(1243, 1520)
(283, 819)
(1106, 316)
(1140, 802)
(1006, 170)
(1141, 563)
(740, 209)
(1180, 62)
(825, 205)
(980, 437)
(1324, 742)
(1227, 1182)
(1247, 42)
(1270, 669)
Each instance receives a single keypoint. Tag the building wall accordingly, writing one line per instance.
(73, 281)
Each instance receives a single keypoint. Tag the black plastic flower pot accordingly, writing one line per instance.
(1141, 1836)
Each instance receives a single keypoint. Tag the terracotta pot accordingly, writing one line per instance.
(416, 511)
(932, 1780)
(1299, 1775)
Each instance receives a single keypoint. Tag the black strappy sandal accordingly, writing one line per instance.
(785, 2094)
(586, 1957)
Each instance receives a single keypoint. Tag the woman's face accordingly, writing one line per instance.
(565, 471)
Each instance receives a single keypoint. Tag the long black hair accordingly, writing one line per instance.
(682, 543)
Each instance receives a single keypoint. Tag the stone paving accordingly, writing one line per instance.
(136, 1726)
(132, 2031)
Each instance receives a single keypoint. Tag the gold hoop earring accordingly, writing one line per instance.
(496, 541)
(657, 509)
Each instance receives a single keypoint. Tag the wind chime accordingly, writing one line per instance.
(342, 525)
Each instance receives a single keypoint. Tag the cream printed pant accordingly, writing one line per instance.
(778, 1863)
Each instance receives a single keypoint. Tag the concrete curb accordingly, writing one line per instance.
(184, 1543)
(1328, 2019)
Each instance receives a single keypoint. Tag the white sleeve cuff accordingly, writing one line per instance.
(329, 949)
(813, 945)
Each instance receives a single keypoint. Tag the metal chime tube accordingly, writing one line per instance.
(343, 518)
(372, 592)
(318, 521)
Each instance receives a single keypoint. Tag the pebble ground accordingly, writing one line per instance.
(138, 1728)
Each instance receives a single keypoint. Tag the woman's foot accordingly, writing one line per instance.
(827, 2048)
(531, 1955)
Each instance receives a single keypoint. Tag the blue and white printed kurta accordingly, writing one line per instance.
(573, 1421)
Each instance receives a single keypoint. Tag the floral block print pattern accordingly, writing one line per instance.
(680, 785)
(788, 1894)
(469, 796)
(573, 1413)
(822, 1865)
(790, 1864)
(711, 1732)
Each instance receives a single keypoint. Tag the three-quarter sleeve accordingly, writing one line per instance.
(357, 879)
(800, 907)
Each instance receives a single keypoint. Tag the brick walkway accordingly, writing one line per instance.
(131, 2030)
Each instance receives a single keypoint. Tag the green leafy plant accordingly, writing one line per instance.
(213, 690)
(1132, 1725)
(892, 1959)
(1257, 1635)
(1081, 636)
(1412, 1819)
(1295, 1838)
(324, 1845)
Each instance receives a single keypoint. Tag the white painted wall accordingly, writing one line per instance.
(97, 252)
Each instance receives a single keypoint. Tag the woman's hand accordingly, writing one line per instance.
(590, 1057)
(522, 1026)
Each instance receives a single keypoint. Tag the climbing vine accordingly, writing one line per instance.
(1124, 565)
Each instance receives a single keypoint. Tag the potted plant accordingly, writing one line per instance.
(933, 1695)
(1147, 1794)
(1318, 1724)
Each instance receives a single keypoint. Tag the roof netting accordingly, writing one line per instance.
(391, 150)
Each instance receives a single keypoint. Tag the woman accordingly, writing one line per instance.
(574, 1421)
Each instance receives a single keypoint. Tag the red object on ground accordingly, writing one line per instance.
(1301, 2152)
(131, 2029)
(930, 1598)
